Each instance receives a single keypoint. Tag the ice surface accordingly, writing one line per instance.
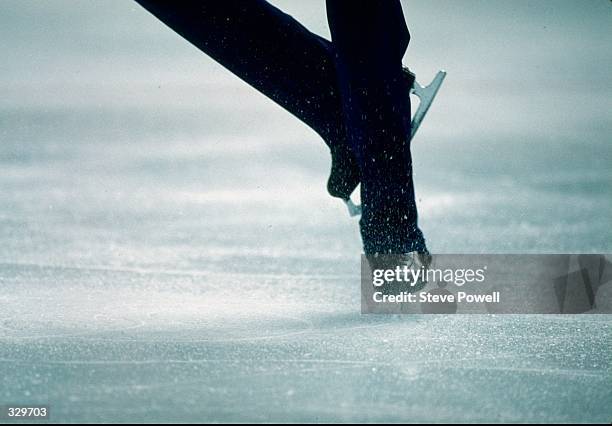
(168, 251)
(189, 277)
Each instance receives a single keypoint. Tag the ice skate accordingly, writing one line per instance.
(426, 95)
(344, 175)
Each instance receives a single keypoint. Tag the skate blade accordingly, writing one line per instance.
(426, 95)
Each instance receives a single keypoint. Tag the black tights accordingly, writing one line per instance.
(350, 90)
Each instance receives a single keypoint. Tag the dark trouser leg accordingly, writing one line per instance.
(274, 53)
(370, 38)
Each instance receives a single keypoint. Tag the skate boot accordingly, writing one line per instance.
(344, 175)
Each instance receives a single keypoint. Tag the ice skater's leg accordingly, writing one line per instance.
(370, 40)
(275, 54)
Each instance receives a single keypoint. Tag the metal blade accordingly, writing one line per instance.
(426, 96)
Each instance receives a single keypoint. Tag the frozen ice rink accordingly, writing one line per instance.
(168, 251)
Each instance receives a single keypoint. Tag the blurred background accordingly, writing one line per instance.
(168, 250)
(514, 155)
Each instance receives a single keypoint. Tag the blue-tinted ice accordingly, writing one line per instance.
(160, 259)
